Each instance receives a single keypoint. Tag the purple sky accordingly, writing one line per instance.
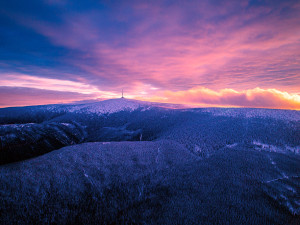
(202, 53)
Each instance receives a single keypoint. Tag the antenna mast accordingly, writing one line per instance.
(122, 93)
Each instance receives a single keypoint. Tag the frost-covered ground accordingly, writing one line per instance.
(134, 162)
(21, 141)
(150, 183)
(274, 148)
(289, 115)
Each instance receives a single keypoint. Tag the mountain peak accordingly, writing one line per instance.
(118, 104)
(107, 106)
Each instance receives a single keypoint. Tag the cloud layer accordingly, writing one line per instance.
(253, 98)
(209, 52)
(17, 96)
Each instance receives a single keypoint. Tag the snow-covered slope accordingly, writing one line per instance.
(150, 183)
(22, 141)
(148, 165)
(110, 106)
(290, 115)
(129, 105)
(203, 130)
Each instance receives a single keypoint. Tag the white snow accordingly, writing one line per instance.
(287, 115)
(109, 106)
(232, 145)
(197, 149)
(274, 148)
(17, 125)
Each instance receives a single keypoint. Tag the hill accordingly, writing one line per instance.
(124, 161)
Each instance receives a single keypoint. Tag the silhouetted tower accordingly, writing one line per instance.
(122, 94)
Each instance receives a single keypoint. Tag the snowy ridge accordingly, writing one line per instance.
(273, 148)
(98, 107)
(124, 104)
(109, 106)
(291, 115)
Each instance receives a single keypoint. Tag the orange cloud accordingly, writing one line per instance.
(256, 98)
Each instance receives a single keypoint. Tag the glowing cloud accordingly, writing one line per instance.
(26, 81)
(257, 98)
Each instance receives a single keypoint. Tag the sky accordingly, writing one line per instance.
(218, 53)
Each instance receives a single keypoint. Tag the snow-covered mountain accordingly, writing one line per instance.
(31, 131)
(288, 115)
(149, 163)
(110, 106)
(123, 104)
(157, 182)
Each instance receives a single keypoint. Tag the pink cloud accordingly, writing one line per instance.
(181, 47)
(248, 56)
(256, 98)
(20, 96)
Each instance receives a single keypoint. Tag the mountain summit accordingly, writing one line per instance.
(110, 106)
